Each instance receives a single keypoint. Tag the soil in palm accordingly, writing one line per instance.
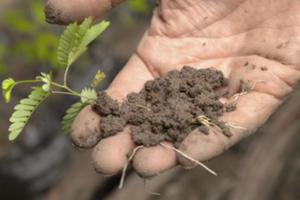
(167, 108)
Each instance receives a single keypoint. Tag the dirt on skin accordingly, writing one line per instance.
(167, 108)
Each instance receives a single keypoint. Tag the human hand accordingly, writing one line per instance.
(252, 40)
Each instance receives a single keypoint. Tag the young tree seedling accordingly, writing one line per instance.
(73, 43)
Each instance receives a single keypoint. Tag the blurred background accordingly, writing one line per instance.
(43, 164)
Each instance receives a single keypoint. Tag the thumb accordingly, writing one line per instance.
(67, 11)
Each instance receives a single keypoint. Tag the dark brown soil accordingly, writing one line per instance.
(167, 108)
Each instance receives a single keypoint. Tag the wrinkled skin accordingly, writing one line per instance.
(225, 34)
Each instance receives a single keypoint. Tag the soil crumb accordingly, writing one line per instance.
(167, 108)
(244, 86)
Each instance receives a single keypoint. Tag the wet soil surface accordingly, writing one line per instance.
(167, 108)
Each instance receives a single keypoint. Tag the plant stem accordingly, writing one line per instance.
(72, 91)
(66, 93)
(27, 81)
(65, 88)
(66, 76)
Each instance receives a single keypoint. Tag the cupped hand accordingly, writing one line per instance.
(251, 40)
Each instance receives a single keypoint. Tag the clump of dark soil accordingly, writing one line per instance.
(167, 108)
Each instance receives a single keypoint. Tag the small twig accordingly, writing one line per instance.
(126, 165)
(150, 192)
(189, 158)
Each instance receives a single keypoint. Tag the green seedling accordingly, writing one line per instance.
(73, 43)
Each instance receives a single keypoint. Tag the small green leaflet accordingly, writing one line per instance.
(7, 86)
(66, 44)
(88, 95)
(47, 79)
(99, 76)
(75, 39)
(24, 110)
(70, 115)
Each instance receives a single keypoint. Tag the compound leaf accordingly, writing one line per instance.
(66, 44)
(75, 39)
(24, 110)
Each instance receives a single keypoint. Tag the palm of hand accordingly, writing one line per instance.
(253, 40)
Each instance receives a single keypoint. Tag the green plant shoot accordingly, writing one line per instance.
(73, 43)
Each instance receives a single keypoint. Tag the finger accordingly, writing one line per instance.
(110, 154)
(67, 11)
(267, 76)
(85, 131)
(252, 110)
(154, 160)
(150, 161)
(143, 162)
